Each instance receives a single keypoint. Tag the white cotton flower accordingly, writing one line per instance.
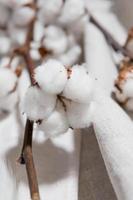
(80, 85)
(71, 11)
(5, 45)
(8, 81)
(51, 76)
(55, 39)
(71, 56)
(79, 115)
(56, 123)
(22, 16)
(49, 10)
(38, 104)
(8, 102)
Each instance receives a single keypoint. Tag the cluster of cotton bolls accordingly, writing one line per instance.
(54, 31)
(62, 98)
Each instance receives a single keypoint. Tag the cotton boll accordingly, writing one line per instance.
(8, 81)
(49, 9)
(51, 76)
(71, 11)
(56, 123)
(80, 85)
(79, 115)
(5, 45)
(38, 104)
(71, 56)
(8, 102)
(22, 16)
(55, 39)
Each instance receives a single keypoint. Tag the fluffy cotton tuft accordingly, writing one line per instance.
(8, 81)
(79, 115)
(51, 76)
(38, 104)
(129, 104)
(56, 123)
(5, 45)
(79, 86)
(55, 39)
(71, 11)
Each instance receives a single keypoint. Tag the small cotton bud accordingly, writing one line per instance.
(8, 81)
(129, 104)
(128, 87)
(5, 45)
(55, 39)
(120, 96)
(71, 56)
(51, 76)
(79, 86)
(8, 102)
(79, 115)
(38, 104)
(22, 16)
(56, 123)
(4, 15)
(50, 9)
(71, 11)
(17, 34)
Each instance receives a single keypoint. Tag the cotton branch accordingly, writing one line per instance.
(115, 45)
(26, 153)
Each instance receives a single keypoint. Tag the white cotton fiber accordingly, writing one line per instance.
(38, 104)
(55, 39)
(51, 76)
(8, 102)
(79, 115)
(8, 81)
(80, 85)
(56, 123)
(71, 11)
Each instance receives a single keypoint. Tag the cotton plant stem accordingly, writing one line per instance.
(26, 153)
(115, 45)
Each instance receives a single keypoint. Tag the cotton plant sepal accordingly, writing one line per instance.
(98, 57)
(114, 132)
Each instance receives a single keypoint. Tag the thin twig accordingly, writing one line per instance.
(115, 45)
